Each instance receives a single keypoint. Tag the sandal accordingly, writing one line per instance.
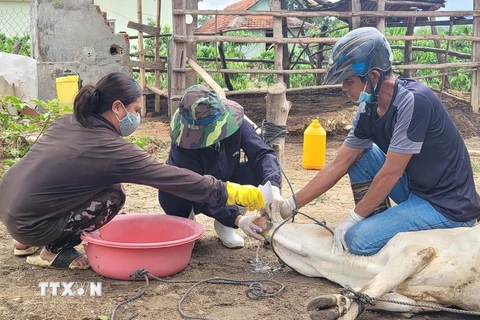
(25, 252)
(63, 260)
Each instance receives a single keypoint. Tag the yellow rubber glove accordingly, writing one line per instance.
(245, 195)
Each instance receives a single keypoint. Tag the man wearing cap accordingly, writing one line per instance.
(207, 135)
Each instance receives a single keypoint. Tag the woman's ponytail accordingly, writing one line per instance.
(98, 99)
(85, 104)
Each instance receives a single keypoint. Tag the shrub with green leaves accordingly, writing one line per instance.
(7, 44)
(20, 132)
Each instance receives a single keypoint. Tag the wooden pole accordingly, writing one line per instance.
(304, 50)
(475, 93)
(441, 58)
(223, 61)
(215, 86)
(267, 61)
(445, 83)
(408, 53)
(277, 34)
(319, 77)
(158, 92)
(177, 56)
(203, 38)
(337, 14)
(355, 21)
(314, 71)
(451, 96)
(277, 112)
(141, 57)
(206, 77)
(191, 77)
(381, 20)
(157, 55)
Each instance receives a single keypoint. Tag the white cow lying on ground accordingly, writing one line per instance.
(438, 267)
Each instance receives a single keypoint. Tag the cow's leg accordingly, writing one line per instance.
(394, 307)
(399, 267)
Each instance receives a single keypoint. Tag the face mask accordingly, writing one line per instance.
(129, 123)
(364, 97)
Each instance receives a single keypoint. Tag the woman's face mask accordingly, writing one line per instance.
(364, 96)
(129, 123)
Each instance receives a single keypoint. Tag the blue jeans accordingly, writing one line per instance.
(411, 213)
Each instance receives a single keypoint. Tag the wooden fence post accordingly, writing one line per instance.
(475, 93)
(157, 54)
(177, 56)
(143, 112)
(408, 52)
(277, 34)
(277, 112)
(355, 21)
(178, 81)
(381, 20)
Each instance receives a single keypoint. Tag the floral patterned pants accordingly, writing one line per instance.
(89, 216)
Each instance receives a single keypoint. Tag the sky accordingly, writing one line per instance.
(450, 5)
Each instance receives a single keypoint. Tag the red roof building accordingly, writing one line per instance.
(235, 23)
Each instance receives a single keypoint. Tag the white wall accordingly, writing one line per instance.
(123, 11)
(254, 49)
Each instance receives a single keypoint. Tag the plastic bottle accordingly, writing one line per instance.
(314, 146)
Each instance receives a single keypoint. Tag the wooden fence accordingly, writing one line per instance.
(183, 44)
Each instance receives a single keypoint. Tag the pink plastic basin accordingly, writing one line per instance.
(161, 244)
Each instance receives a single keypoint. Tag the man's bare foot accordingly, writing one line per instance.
(19, 245)
(48, 256)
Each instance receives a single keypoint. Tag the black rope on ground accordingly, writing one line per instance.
(256, 289)
(137, 274)
(363, 299)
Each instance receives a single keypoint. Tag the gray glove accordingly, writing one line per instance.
(274, 209)
(339, 245)
(287, 208)
(251, 229)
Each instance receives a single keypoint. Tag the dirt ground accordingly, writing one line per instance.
(20, 295)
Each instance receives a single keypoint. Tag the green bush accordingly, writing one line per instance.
(7, 44)
(20, 132)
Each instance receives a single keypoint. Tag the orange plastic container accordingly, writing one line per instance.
(159, 243)
(314, 146)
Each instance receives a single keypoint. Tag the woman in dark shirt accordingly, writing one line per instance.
(70, 180)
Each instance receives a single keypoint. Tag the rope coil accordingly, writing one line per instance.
(272, 131)
(256, 289)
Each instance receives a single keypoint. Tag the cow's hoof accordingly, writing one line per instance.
(324, 308)
(322, 302)
(329, 314)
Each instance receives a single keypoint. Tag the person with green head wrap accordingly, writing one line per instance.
(208, 134)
